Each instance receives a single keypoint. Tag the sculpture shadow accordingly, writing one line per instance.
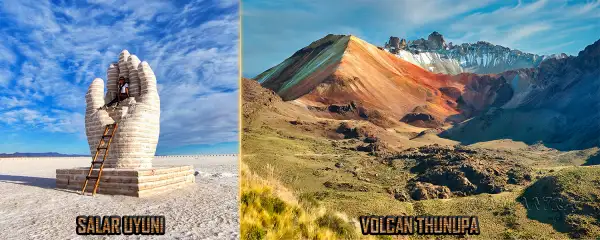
(30, 181)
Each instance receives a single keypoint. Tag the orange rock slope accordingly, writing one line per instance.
(340, 75)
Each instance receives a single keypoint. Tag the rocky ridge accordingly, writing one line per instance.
(555, 103)
(436, 55)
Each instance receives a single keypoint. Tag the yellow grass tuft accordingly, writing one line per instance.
(269, 211)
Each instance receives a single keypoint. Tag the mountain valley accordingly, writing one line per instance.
(360, 130)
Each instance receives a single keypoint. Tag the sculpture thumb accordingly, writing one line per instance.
(94, 98)
(95, 120)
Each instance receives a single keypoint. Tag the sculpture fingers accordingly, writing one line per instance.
(134, 79)
(148, 83)
(123, 66)
(112, 78)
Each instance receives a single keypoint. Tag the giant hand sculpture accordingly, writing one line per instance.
(138, 117)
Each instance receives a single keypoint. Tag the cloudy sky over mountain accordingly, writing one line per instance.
(274, 30)
(50, 51)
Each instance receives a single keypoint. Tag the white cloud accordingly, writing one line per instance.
(551, 49)
(7, 55)
(5, 76)
(417, 13)
(505, 16)
(228, 3)
(54, 121)
(35, 14)
(543, 20)
(219, 111)
(68, 122)
(585, 8)
(521, 32)
(25, 116)
(13, 102)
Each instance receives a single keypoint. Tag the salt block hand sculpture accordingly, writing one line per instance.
(138, 116)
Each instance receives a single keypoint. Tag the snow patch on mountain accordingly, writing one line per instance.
(432, 61)
(435, 55)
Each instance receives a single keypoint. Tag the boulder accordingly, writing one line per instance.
(424, 191)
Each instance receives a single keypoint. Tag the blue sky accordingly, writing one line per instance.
(273, 30)
(50, 51)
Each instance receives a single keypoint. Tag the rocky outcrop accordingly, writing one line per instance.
(395, 44)
(589, 58)
(424, 191)
(443, 172)
(420, 119)
(436, 41)
(348, 130)
(375, 148)
(134, 144)
(364, 132)
(452, 92)
(402, 44)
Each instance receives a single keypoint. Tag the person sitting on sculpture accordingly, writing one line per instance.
(123, 92)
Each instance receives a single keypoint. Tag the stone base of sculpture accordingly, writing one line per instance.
(128, 181)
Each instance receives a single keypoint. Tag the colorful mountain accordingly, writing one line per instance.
(345, 77)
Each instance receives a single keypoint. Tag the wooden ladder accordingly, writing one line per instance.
(105, 135)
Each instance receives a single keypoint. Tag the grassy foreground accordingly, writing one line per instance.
(501, 216)
(270, 212)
